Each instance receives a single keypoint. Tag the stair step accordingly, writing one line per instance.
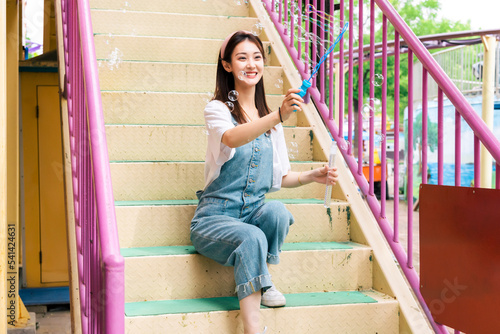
(346, 312)
(198, 305)
(166, 223)
(188, 249)
(143, 181)
(172, 49)
(124, 107)
(178, 272)
(212, 7)
(171, 77)
(184, 143)
(119, 22)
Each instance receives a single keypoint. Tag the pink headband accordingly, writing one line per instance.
(224, 44)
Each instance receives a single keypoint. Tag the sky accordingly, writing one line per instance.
(484, 14)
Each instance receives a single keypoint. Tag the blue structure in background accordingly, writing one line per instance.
(467, 142)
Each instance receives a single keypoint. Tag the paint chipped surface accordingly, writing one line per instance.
(329, 213)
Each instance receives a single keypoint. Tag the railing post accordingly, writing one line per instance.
(490, 46)
(360, 89)
(396, 136)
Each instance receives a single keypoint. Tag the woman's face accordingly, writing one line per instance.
(247, 64)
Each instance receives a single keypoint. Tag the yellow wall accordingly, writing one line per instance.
(3, 170)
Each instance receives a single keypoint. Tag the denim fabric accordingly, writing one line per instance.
(233, 226)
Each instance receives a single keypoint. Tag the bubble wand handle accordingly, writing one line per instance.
(331, 161)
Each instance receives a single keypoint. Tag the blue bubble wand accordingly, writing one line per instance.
(307, 83)
(303, 90)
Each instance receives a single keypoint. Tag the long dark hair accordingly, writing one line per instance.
(225, 80)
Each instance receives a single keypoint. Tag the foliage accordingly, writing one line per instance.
(423, 18)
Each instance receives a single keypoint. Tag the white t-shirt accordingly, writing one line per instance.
(218, 120)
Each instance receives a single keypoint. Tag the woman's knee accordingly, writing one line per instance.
(256, 238)
(277, 211)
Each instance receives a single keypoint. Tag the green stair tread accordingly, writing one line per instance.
(188, 249)
(180, 306)
(157, 202)
(195, 202)
(183, 161)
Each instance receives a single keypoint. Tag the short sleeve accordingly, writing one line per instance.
(218, 120)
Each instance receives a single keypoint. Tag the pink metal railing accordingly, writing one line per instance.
(100, 265)
(304, 57)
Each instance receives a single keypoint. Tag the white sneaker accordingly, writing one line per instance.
(273, 298)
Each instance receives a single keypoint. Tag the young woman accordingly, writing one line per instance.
(247, 158)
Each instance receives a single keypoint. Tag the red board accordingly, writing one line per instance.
(460, 256)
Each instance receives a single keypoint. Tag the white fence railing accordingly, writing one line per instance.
(464, 65)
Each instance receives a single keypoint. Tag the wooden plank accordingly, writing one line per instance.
(12, 147)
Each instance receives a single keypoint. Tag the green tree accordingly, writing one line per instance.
(423, 18)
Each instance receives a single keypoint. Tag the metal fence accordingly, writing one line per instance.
(464, 66)
(306, 45)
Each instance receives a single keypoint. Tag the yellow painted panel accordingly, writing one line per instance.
(54, 266)
(30, 172)
(32, 245)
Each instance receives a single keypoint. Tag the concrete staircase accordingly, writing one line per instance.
(157, 71)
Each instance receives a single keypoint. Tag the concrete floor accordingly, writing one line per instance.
(54, 320)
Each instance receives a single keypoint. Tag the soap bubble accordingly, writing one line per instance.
(257, 29)
(242, 75)
(279, 83)
(110, 39)
(367, 111)
(380, 140)
(233, 95)
(230, 105)
(378, 80)
(305, 56)
(345, 145)
(293, 151)
(208, 97)
(114, 59)
(371, 106)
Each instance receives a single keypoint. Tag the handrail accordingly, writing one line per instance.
(443, 81)
(416, 48)
(100, 264)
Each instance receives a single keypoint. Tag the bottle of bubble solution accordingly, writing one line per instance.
(331, 161)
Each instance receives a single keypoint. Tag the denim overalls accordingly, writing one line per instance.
(233, 226)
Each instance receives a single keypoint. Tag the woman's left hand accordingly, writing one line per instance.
(325, 174)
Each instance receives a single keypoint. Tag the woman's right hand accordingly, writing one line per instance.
(292, 102)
